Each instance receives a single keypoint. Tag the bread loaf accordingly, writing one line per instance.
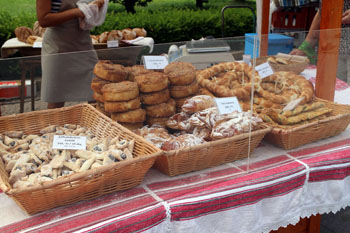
(38, 30)
(115, 35)
(22, 33)
(140, 32)
(128, 34)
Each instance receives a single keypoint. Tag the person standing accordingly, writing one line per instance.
(68, 56)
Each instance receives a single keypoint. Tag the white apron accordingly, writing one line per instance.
(68, 59)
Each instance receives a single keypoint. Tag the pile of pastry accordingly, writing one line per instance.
(30, 159)
(30, 35)
(125, 34)
(199, 122)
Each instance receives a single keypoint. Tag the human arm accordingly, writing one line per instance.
(346, 17)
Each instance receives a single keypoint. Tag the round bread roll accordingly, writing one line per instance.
(133, 116)
(137, 70)
(115, 35)
(122, 91)
(98, 97)
(32, 39)
(156, 121)
(128, 34)
(103, 37)
(132, 126)
(97, 84)
(184, 91)
(122, 106)
(110, 72)
(180, 73)
(155, 97)
(140, 32)
(152, 82)
(38, 30)
(180, 101)
(161, 110)
(22, 33)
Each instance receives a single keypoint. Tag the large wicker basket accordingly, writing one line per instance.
(210, 154)
(293, 66)
(306, 133)
(82, 185)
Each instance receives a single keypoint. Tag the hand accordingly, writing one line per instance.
(346, 17)
(297, 52)
(98, 3)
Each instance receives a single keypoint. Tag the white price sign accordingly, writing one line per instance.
(69, 142)
(155, 62)
(38, 44)
(228, 105)
(264, 70)
(112, 44)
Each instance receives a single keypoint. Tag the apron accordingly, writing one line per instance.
(67, 61)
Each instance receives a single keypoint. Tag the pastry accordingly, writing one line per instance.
(128, 34)
(182, 141)
(161, 110)
(22, 33)
(198, 103)
(180, 73)
(133, 116)
(140, 32)
(184, 91)
(137, 70)
(156, 121)
(122, 91)
(97, 84)
(38, 30)
(203, 91)
(110, 72)
(179, 121)
(122, 106)
(98, 97)
(156, 134)
(153, 98)
(94, 39)
(115, 35)
(152, 82)
(31, 39)
(103, 37)
(180, 101)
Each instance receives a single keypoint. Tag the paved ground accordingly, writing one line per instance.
(330, 223)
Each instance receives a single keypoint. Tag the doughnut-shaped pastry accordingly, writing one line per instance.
(122, 106)
(97, 84)
(110, 72)
(133, 116)
(180, 73)
(184, 91)
(161, 110)
(98, 97)
(137, 70)
(120, 91)
(155, 97)
(152, 82)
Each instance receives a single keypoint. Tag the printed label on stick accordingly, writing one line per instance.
(69, 142)
(228, 105)
(155, 62)
(264, 70)
(112, 44)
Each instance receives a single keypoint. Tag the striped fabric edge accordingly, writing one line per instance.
(333, 172)
(195, 207)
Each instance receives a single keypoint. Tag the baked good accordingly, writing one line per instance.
(153, 98)
(94, 39)
(180, 73)
(161, 110)
(103, 37)
(137, 70)
(140, 32)
(179, 121)
(180, 101)
(115, 35)
(38, 30)
(98, 97)
(155, 134)
(133, 116)
(152, 82)
(182, 141)
(97, 84)
(203, 91)
(120, 91)
(22, 33)
(110, 72)
(156, 121)
(128, 34)
(122, 106)
(132, 126)
(100, 107)
(184, 91)
(31, 39)
(198, 103)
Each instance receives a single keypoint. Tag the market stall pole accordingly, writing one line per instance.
(328, 51)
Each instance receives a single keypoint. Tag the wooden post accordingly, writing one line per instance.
(264, 28)
(328, 48)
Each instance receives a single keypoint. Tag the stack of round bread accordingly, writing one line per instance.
(155, 97)
(183, 83)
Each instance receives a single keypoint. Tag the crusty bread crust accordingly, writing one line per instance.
(133, 116)
(180, 73)
(122, 106)
(161, 110)
(152, 82)
(155, 97)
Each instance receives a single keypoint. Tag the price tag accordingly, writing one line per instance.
(264, 70)
(155, 62)
(112, 44)
(228, 105)
(38, 44)
(69, 142)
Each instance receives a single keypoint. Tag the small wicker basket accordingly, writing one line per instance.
(83, 185)
(210, 154)
(293, 66)
(302, 134)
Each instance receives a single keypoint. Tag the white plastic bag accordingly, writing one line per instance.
(93, 15)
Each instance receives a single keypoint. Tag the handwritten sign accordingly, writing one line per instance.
(264, 70)
(112, 44)
(38, 44)
(155, 62)
(69, 142)
(228, 105)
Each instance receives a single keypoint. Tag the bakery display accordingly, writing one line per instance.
(119, 35)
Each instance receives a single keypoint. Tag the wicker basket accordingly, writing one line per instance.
(305, 133)
(295, 67)
(82, 185)
(209, 154)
